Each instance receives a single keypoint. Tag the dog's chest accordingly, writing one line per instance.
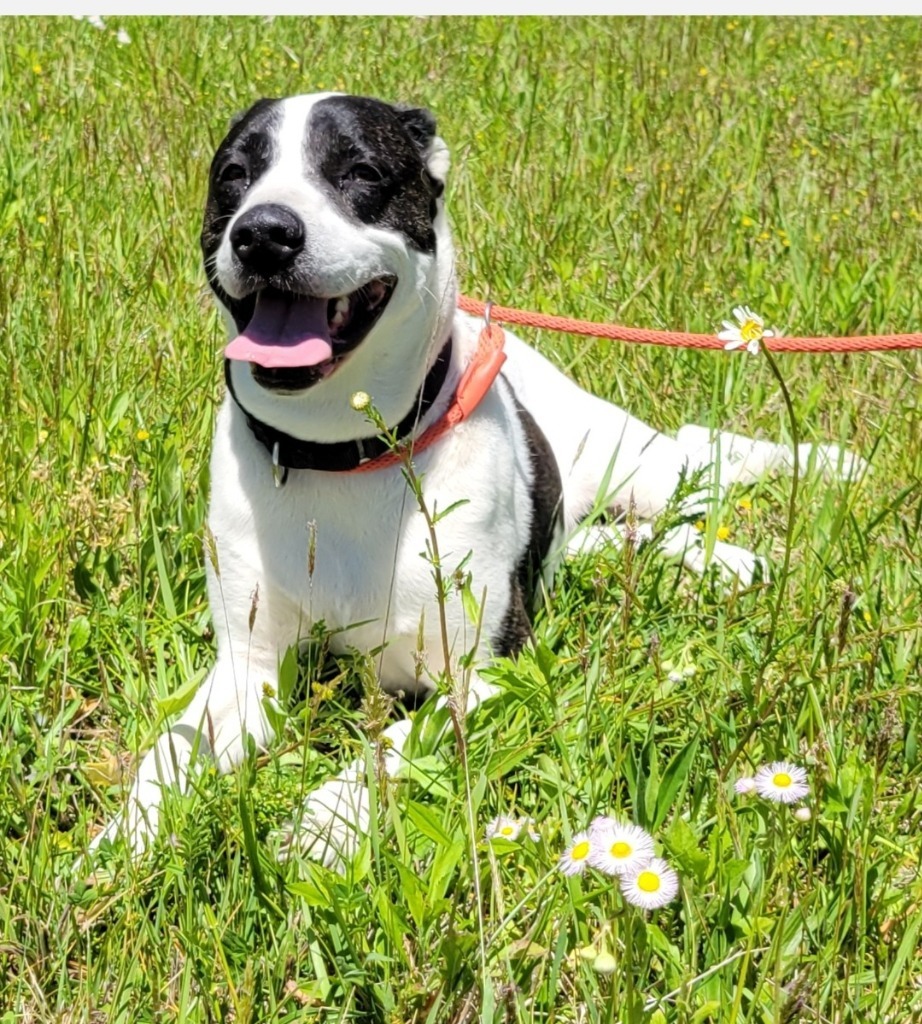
(352, 548)
(327, 547)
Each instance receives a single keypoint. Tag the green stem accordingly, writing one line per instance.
(768, 657)
(792, 508)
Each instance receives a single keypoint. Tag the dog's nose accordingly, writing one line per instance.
(267, 238)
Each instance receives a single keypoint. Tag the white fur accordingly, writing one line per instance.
(369, 581)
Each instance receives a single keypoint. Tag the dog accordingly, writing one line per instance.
(327, 248)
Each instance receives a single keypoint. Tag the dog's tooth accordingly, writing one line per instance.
(340, 315)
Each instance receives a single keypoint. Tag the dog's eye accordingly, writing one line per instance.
(232, 172)
(363, 172)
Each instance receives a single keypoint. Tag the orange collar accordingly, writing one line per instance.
(475, 382)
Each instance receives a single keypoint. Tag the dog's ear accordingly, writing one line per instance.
(420, 126)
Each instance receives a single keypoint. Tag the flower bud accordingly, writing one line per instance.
(604, 963)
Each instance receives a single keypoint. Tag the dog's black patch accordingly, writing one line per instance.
(241, 158)
(371, 154)
(546, 515)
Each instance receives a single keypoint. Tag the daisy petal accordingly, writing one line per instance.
(503, 827)
(651, 886)
(782, 782)
(574, 859)
(618, 849)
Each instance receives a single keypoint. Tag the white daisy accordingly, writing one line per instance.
(744, 786)
(503, 827)
(749, 330)
(574, 859)
(803, 815)
(618, 849)
(651, 886)
(782, 782)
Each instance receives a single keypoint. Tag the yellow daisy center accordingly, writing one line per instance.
(648, 881)
(580, 851)
(621, 849)
(751, 330)
(506, 830)
(782, 780)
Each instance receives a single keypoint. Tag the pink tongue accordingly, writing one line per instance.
(286, 331)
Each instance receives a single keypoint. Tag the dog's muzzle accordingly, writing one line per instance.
(295, 338)
(267, 239)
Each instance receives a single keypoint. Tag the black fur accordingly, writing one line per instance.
(547, 514)
(241, 158)
(371, 155)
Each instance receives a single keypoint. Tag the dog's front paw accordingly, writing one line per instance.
(333, 821)
(832, 460)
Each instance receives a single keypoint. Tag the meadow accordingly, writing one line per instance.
(654, 172)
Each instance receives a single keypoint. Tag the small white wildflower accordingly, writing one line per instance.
(785, 783)
(744, 786)
(574, 859)
(749, 331)
(96, 21)
(803, 815)
(651, 886)
(503, 827)
(618, 849)
(123, 37)
(360, 400)
(675, 676)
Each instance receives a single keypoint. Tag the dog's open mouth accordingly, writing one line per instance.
(293, 341)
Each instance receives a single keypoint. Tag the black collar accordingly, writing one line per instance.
(340, 456)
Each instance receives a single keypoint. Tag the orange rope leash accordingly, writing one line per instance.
(679, 339)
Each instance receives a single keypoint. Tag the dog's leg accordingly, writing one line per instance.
(742, 460)
(336, 815)
(683, 543)
(226, 711)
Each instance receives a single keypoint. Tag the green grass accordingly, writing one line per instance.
(655, 172)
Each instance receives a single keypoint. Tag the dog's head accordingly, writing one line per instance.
(326, 246)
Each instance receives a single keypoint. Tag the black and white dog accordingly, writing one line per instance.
(327, 247)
